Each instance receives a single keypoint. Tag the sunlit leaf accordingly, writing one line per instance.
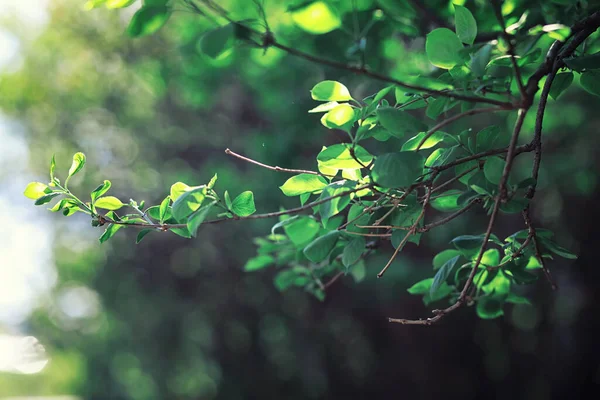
(340, 117)
(490, 307)
(258, 262)
(148, 20)
(76, 165)
(344, 156)
(317, 18)
(164, 207)
(243, 204)
(118, 3)
(108, 203)
(421, 287)
(447, 201)
(330, 91)
(188, 202)
(35, 190)
(303, 183)
(177, 189)
(197, 218)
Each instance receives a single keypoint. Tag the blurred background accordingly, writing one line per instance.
(172, 318)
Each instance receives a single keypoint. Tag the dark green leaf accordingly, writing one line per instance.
(141, 235)
(46, 198)
(561, 82)
(148, 20)
(443, 273)
(493, 169)
(480, 60)
(397, 169)
(491, 138)
(590, 81)
(111, 229)
(555, 248)
(399, 122)
(216, 41)
(163, 209)
(579, 64)
(100, 190)
(442, 257)
(353, 251)
(319, 248)
(197, 218)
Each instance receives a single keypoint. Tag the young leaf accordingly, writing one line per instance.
(341, 117)
(211, 183)
(243, 205)
(162, 210)
(52, 168)
(35, 190)
(466, 27)
(397, 169)
(100, 190)
(148, 20)
(197, 218)
(76, 165)
(443, 273)
(303, 183)
(412, 143)
(216, 41)
(442, 47)
(317, 17)
(325, 107)
(227, 200)
(399, 122)
(141, 235)
(353, 251)
(561, 83)
(301, 231)
(340, 156)
(319, 248)
(177, 189)
(188, 202)
(330, 91)
(118, 3)
(108, 203)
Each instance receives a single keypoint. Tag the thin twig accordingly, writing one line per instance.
(275, 168)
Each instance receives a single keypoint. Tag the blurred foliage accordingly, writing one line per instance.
(181, 319)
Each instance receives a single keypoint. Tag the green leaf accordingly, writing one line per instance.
(466, 26)
(35, 190)
(325, 107)
(188, 202)
(397, 169)
(442, 47)
(579, 64)
(399, 122)
(444, 256)
(119, 3)
(217, 41)
(436, 107)
(353, 251)
(555, 248)
(317, 18)
(100, 190)
(243, 204)
(319, 249)
(183, 232)
(303, 183)
(197, 218)
(590, 81)
(142, 234)
(514, 205)
(480, 60)
(148, 20)
(52, 169)
(341, 117)
(339, 156)
(447, 201)
(336, 205)
(468, 245)
(211, 183)
(76, 165)
(108, 203)
(162, 210)
(110, 231)
(302, 231)
(490, 307)
(491, 138)
(227, 200)
(412, 143)
(421, 287)
(46, 198)
(258, 262)
(177, 189)
(443, 273)
(493, 169)
(330, 91)
(560, 83)
(516, 299)
(443, 291)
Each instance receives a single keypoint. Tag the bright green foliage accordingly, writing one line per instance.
(330, 91)
(443, 47)
(108, 203)
(317, 17)
(344, 156)
(303, 183)
(243, 205)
